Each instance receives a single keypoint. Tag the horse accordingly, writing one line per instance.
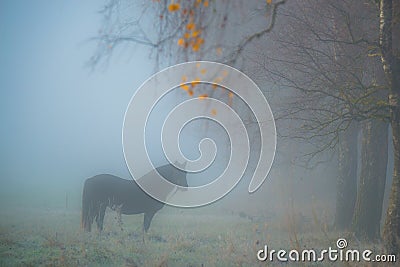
(106, 190)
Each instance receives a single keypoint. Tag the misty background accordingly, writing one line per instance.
(61, 121)
(69, 69)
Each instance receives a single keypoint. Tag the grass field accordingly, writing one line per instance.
(189, 237)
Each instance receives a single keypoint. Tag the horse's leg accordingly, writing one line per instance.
(89, 217)
(143, 233)
(100, 216)
(148, 216)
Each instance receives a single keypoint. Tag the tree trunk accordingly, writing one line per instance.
(391, 233)
(391, 66)
(346, 187)
(371, 190)
(392, 224)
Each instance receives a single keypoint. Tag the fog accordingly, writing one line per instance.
(61, 121)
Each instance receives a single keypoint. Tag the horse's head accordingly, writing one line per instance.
(173, 174)
(180, 178)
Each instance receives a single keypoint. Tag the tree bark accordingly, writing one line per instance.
(391, 66)
(346, 187)
(371, 190)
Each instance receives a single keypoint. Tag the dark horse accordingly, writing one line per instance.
(106, 190)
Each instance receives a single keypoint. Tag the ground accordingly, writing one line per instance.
(188, 237)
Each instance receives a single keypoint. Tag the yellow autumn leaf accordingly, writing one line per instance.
(203, 96)
(216, 81)
(181, 42)
(195, 47)
(230, 101)
(199, 41)
(185, 87)
(195, 82)
(173, 7)
(196, 33)
(190, 26)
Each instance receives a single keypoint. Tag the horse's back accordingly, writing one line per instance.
(123, 193)
(103, 180)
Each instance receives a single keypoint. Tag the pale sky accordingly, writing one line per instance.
(58, 119)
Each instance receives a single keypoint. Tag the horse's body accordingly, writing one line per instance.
(106, 190)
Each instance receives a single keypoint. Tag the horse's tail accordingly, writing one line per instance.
(87, 218)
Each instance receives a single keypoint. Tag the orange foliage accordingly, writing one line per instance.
(199, 41)
(192, 37)
(230, 101)
(195, 82)
(216, 80)
(203, 96)
(196, 33)
(190, 26)
(195, 47)
(174, 7)
(181, 42)
(185, 87)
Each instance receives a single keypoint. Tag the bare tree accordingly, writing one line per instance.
(346, 182)
(389, 49)
(322, 59)
(184, 30)
(374, 154)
